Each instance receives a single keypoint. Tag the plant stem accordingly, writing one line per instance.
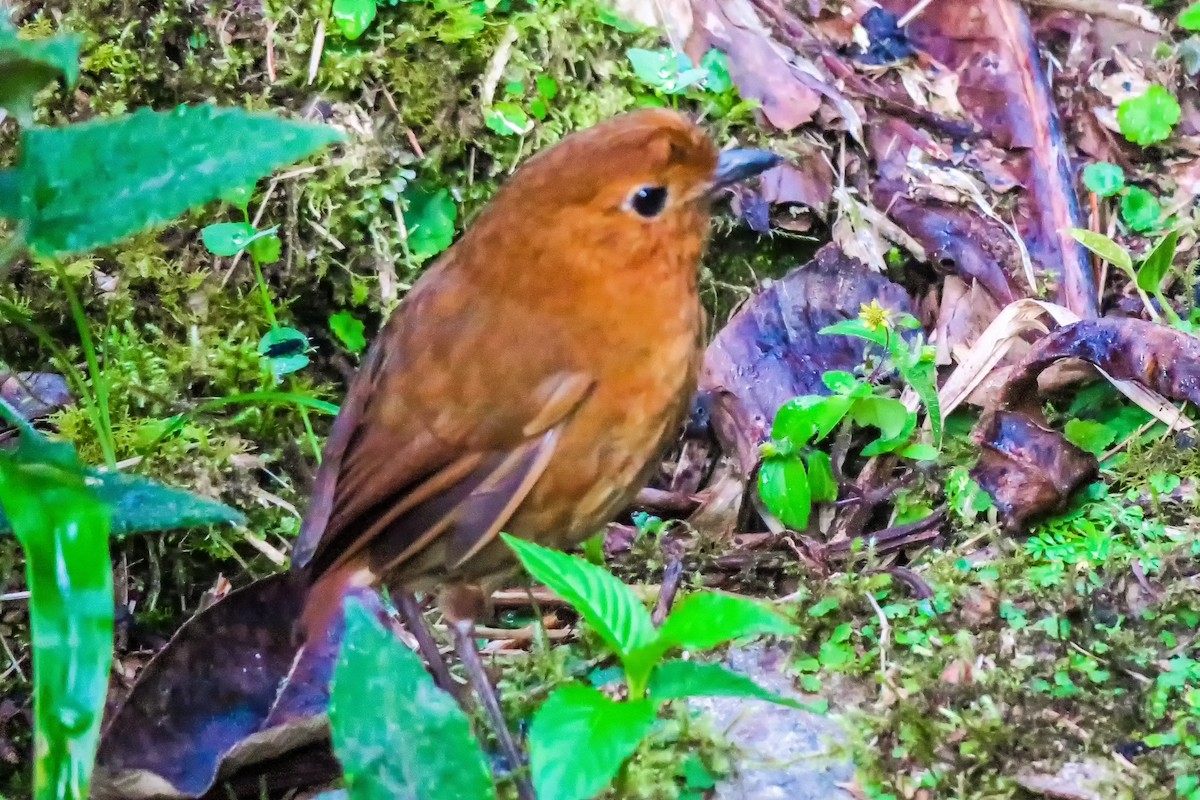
(101, 417)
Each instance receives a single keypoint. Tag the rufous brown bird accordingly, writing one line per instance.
(531, 377)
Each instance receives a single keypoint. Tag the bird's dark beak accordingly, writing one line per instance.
(738, 165)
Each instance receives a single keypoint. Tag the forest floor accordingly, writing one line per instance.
(1009, 611)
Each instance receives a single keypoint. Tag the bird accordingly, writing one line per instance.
(529, 380)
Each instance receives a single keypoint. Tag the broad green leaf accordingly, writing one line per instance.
(579, 739)
(811, 417)
(396, 734)
(704, 620)
(1103, 178)
(265, 248)
(822, 485)
(26, 66)
(921, 374)
(1140, 209)
(674, 680)
(841, 382)
(429, 217)
(63, 529)
(614, 20)
(353, 17)
(783, 487)
(859, 329)
(665, 70)
(349, 331)
(1152, 271)
(608, 605)
(140, 505)
(895, 422)
(919, 451)
(285, 349)
(146, 168)
(226, 238)
(1189, 18)
(1104, 247)
(1150, 117)
(1094, 437)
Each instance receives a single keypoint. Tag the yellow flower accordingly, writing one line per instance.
(875, 316)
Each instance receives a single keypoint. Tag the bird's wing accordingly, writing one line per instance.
(409, 461)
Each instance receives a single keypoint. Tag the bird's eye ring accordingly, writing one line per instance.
(649, 201)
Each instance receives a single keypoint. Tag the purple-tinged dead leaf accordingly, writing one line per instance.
(1030, 470)
(1004, 88)
(229, 693)
(760, 67)
(771, 351)
(35, 394)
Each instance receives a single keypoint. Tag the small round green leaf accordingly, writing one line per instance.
(226, 238)
(349, 331)
(1150, 117)
(579, 739)
(353, 17)
(1189, 18)
(239, 196)
(265, 249)
(1103, 178)
(1140, 209)
(285, 349)
(508, 119)
(429, 216)
(1094, 437)
(783, 487)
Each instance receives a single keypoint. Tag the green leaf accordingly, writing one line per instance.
(1103, 178)
(614, 20)
(1104, 247)
(859, 329)
(783, 487)
(822, 485)
(140, 505)
(266, 248)
(227, 238)
(1150, 117)
(26, 66)
(921, 374)
(1094, 437)
(429, 217)
(811, 417)
(353, 17)
(547, 87)
(716, 65)
(285, 349)
(608, 605)
(1152, 271)
(579, 739)
(349, 331)
(704, 620)
(146, 168)
(396, 734)
(508, 119)
(919, 451)
(1189, 18)
(675, 680)
(895, 422)
(238, 196)
(665, 70)
(1140, 209)
(63, 529)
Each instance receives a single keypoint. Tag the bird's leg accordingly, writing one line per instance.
(461, 606)
(414, 620)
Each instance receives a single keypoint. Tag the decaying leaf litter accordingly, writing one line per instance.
(1036, 643)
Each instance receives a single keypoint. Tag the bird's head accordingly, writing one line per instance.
(641, 176)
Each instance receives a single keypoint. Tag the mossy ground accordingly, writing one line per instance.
(1031, 649)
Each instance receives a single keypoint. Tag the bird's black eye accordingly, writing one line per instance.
(649, 201)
